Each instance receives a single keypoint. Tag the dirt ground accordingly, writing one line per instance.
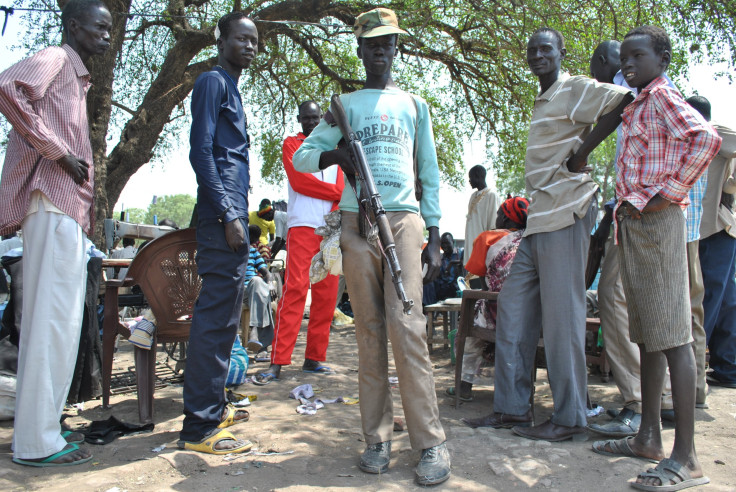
(322, 451)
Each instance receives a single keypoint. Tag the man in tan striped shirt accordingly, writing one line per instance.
(46, 189)
(546, 286)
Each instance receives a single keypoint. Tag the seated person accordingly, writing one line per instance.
(445, 286)
(492, 256)
(127, 252)
(259, 292)
(253, 234)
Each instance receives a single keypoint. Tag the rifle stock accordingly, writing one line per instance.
(370, 200)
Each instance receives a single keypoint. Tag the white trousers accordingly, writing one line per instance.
(54, 280)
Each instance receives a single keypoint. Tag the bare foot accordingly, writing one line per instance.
(77, 455)
(228, 444)
(240, 415)
(674, 471)
(74, 437)
(651, 453)
(648, 450)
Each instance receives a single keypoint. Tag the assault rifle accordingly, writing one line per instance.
(369, 200)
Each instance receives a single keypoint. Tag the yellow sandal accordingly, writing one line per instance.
(230, 417)
(207, 445)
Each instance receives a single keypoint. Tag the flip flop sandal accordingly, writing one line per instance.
(619, 447)
(667, 471)
(209, 444)
(264, 378)
(73, 437)
(230, 417)
(49, 461)
(320, 369)
(263, 357)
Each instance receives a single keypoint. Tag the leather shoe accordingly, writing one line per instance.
(625, 424)
(376, 457)
(434, 466)
(549, 431)
(667, 415)
(714, 380)
(500, 421)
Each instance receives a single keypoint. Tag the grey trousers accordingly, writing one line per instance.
(379, 317)
(546, 288)
(258, 295)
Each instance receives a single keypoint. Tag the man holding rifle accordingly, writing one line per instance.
(391, 124)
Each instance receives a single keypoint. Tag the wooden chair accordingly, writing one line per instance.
(166, 271)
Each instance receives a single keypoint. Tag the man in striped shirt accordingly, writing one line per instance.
(46, 189)
(549, 266)
(259, 291)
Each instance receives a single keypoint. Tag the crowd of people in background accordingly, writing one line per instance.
(666, 292)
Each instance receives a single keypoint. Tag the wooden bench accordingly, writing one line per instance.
(468, 328)
(449, 313)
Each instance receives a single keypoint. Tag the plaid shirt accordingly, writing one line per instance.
(666, 147)
(44, 97)
(695, 209)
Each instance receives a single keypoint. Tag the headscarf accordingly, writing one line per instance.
(264, 207)
(515, 208)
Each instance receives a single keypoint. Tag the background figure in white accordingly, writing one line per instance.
(481, 209)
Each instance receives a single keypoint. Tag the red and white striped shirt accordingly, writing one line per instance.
(666, 147)
(44, 97)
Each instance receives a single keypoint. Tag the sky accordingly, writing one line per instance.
(174, 175)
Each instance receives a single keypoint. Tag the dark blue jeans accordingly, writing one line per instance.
(718, 262)
(214, 327)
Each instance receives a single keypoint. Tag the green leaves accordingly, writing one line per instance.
(465, 57)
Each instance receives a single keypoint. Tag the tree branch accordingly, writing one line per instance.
(123, 107)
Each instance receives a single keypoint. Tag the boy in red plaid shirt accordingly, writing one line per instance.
(666, 147)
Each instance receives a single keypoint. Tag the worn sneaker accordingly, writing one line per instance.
(376, 457)
(434, 465)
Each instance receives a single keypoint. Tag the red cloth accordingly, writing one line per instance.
(516, 209)
(305, 183)
(301, 245)
(44, 97)
(477, 262)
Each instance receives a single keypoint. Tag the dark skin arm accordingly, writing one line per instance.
(601, 234)
(278, 245)
(234, 234)
(78, 169)
(339, 156)
(656, 204)
(606, 125)
(431, 255)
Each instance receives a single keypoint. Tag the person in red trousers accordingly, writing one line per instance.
(311, 197)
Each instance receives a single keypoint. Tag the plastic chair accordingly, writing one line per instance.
(166, 271)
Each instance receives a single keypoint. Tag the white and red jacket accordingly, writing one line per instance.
(311, 196)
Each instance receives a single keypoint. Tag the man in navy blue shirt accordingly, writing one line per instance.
(219, 155)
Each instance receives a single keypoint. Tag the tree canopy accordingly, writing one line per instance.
(465, 57)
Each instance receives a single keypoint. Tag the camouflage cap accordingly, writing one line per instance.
(377, 22)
